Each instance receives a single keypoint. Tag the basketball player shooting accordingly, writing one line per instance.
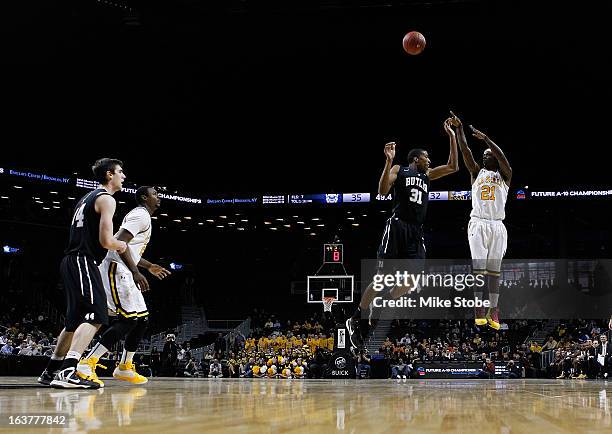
(487, 234)
(124, 285)
(403, 234)
(91, 235)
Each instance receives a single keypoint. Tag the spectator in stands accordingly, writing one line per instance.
(215, 370)
(488, 369)
(363, 364)
(25, 349)
(400, 369)
(550, 344)
(268, 326)
(7, 349)
(169, 356)
(513, 369)
(535, 347)
(604, 356)
(246, 369)
(318, 364)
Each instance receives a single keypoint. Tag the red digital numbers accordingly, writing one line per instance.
(336, 256)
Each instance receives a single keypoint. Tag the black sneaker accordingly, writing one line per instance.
(352, 325)
(46, 378)
(69, 379)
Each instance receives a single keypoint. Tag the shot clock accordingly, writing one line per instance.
(333, 254)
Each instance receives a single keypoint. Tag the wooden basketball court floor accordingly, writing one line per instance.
(316, 406)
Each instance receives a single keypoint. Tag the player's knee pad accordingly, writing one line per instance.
(136, 334)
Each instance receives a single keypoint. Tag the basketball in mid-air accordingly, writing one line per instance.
(414, 42)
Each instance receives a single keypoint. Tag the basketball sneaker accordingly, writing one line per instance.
(46, 378)
(87, 369)
(127, 372)
(480, 316)
(493, 318)
(354, 331)
(69, 379)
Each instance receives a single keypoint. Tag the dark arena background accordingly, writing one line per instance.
(262, 124)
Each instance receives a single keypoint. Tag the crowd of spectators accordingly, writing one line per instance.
(278, 348)
(25, 334)
(580, 349)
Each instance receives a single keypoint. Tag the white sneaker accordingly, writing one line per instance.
(399, 377)
(404, 377)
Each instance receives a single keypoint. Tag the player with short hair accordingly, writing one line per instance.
(403, 237)
(487, 234)
(124, 285)
(91, 235)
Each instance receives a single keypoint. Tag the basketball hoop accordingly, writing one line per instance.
(327, 303)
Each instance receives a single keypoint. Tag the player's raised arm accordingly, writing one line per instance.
(106, 205)
(504, 165)
(452, 165)
(389, 174)
(466, 153)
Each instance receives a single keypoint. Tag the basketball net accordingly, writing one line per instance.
(327, 303)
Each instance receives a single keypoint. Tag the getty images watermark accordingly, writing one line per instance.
(452, 288)
(412, 282)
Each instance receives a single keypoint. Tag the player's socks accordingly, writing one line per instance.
(54, 363)
(127, 356)
(479, 312)
(71, 360)
(493, 318)
(97, 351)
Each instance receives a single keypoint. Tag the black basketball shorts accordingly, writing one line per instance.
(401, 240)
(85, 295)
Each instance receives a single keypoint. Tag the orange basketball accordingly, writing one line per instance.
(414, 43)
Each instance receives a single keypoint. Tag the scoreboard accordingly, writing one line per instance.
(333, 254)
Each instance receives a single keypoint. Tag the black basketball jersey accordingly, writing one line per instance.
(410, 195)
(85, 228)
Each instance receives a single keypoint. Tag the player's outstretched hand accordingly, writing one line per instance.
(159, 271)
(455, 121)
(141, 282)
(448, 127)
(478, 134)
(390, 151)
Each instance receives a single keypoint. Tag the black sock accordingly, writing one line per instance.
(69, 363)
(357, 313)
(54, 365)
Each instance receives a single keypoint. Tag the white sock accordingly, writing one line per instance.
(55, 357)
(127, 356)
(478, 295)
(98, 351)
(73, 355)
(493, 298)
